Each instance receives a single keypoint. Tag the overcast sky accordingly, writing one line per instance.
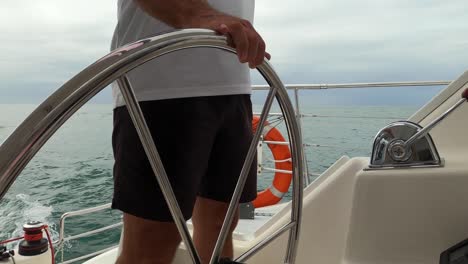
(43, 43)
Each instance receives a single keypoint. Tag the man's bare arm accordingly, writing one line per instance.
(199, 14)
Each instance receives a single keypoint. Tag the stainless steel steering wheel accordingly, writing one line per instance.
(35, 131)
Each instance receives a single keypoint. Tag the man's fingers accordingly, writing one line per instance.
(249, 45)
(254, 50)
(223, 29)
(260, 53)
(241, 41)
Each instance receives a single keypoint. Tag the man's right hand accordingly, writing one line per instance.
(244, 38)
(241, 34)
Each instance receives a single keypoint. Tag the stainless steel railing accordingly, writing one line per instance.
(35, 131)
(297, 87)
(86, 211)
(58, 244)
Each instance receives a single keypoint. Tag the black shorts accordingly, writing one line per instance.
(202, 141)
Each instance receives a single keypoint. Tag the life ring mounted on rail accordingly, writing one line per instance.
(282, 156)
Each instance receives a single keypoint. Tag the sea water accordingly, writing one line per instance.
(74, 169)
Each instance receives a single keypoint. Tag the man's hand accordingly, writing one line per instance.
(244, 38)
(241, 34)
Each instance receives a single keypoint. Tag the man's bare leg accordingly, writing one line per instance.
(148, 242)
(208, 217)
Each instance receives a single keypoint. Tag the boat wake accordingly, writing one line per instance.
(18, 210)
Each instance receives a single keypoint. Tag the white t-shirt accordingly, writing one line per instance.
(187, 73)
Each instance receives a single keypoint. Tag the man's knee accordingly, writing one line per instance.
(210, 214)
(218, 220)
(142, 237)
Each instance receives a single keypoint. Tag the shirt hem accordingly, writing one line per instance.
(175, 93)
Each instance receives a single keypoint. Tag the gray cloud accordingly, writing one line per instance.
(44, 43)
(50, 41)
(366, 40)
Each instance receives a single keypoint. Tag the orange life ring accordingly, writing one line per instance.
(281, 181)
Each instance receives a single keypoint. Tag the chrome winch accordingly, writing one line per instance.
(407, 144)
